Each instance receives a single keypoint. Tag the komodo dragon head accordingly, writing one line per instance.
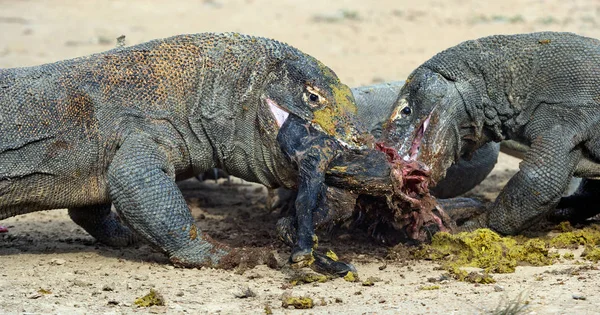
(310, 90)
(427, 119)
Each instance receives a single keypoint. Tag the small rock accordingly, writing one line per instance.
(113, 302)
(57, 262)
(180, 294)
(141, 277)
(579, 297)
(108, 287)
(498, 288)
(80, 283)
(34, 296)
(169, 267)
(243, 293)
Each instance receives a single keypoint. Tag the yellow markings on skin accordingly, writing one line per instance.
(341, 169)
(397, 113)
(193, 232)
(312, 259)
(332, 255)
(315, 240)
(330, 119)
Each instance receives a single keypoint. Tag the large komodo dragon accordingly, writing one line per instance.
(540, 89)
(123, 125)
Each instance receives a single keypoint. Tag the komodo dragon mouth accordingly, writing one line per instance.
(393, 202)
(416, 143)
(414, 208)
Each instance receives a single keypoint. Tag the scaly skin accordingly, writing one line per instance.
(121, 126)
(539, 89)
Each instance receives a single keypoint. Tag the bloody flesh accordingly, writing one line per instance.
(412, 204)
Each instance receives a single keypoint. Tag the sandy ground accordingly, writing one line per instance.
(364, 42)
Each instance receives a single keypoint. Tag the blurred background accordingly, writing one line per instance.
(363, 41)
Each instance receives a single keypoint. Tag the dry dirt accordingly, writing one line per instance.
(364, 42)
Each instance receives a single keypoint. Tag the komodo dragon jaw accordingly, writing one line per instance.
(430, 120)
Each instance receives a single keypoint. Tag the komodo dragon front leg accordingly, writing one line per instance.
(142, 187)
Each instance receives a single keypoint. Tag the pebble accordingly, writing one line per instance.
(107, 287)
(57, 261)
(80, 283)
(498, 288)
(34, 296)
(579, 297)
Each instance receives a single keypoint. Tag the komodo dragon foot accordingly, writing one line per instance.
(321, 263)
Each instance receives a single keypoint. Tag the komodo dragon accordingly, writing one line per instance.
(539, 89)
(121, 126)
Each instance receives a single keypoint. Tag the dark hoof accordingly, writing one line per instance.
(328, 266)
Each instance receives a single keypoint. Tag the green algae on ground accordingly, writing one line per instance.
(484, 249)
(568, 255)
(472, 277)
(297, 302)
(370, 281)
(44, 291)
(303, 278)
(430, 287)
(151, 299)
(564, 226)
(591, 253)
(586, 236)
(268, 310)
(350, 277)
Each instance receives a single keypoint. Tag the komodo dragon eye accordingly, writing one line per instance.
(314, 97)
(401, 110)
